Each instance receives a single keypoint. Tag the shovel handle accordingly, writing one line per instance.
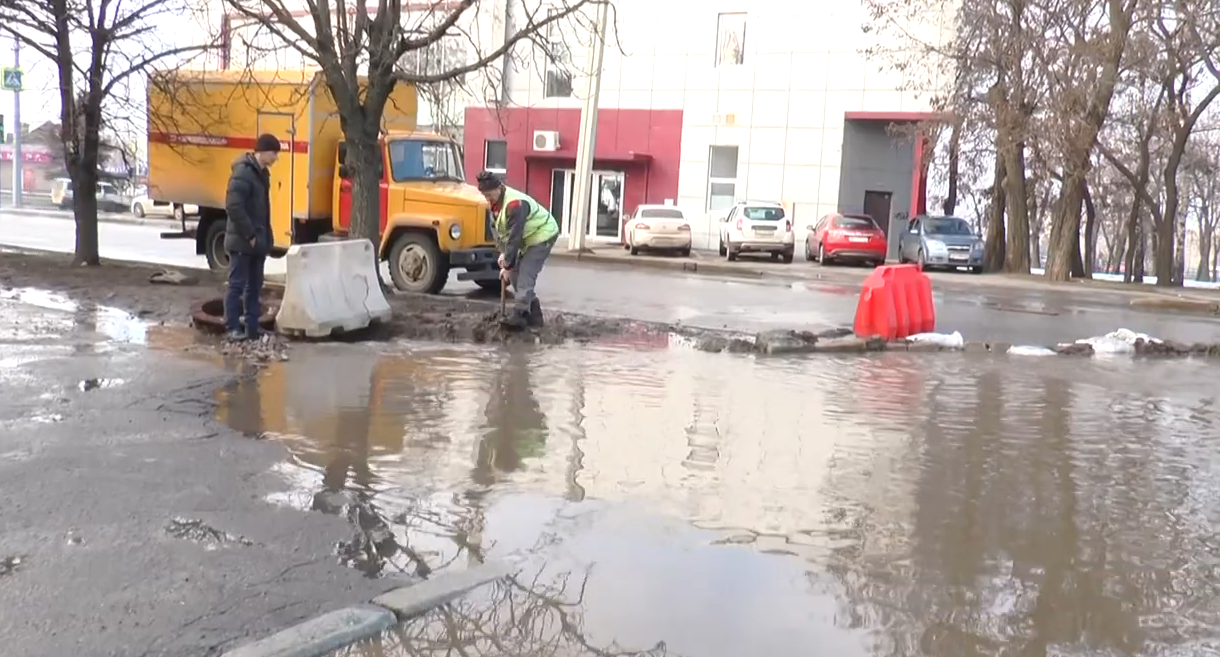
(503, 295)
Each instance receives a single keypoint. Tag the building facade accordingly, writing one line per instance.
(706, 104)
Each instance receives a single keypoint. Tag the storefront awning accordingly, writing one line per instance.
(624, 157)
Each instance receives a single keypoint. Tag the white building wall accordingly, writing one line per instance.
(782, 107)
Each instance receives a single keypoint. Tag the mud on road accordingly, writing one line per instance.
(448, 318)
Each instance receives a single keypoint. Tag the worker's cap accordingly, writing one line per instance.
(488, 181)
(267, 143)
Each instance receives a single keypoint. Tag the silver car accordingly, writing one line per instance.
(938, 241)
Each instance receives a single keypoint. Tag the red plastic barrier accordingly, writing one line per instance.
(895, 302)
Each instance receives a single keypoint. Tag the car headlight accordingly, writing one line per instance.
(455, 231)
(978, 247)
(937, 247)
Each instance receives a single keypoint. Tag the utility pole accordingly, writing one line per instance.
(582, 207)
(17, 157)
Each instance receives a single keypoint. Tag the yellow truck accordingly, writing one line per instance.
(431, 221)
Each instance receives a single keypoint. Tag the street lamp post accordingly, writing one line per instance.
(582, 208)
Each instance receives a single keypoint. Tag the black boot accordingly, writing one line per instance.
(535, 317)
(514, 320)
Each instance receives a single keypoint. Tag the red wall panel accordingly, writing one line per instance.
(623, 135)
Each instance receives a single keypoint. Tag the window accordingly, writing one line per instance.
(438, 58)
(661, 213)
(947, 226)
(495, 155)
(419, 159)
(556, 77)
(855, 222)
(721, 177)
(764, 214)
(730, 40)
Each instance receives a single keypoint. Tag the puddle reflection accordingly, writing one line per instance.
(682, 503)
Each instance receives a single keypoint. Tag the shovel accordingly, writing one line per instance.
(503, 296)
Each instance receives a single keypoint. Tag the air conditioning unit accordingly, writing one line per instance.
(546, 140)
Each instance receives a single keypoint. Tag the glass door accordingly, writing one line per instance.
(607, 205)
(605, 202)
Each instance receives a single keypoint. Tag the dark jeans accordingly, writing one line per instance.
(245, 285)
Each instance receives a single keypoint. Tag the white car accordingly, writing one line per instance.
(658, 228)
(143, 206)
(760, 227)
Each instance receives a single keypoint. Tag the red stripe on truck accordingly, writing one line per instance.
(221, 141)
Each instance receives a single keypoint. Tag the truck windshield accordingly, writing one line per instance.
(421, 159)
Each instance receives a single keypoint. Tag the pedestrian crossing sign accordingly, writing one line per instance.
(11, 79)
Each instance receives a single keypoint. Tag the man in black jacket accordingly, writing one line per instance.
(248, 235)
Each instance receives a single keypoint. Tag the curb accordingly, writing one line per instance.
(840, 341)
(1177, 303)
(102, 218)
(669, 264)
(326, 633)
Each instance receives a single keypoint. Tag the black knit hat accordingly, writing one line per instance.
(487, 181)
(267, 143)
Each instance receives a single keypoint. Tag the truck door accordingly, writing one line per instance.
(282, 125)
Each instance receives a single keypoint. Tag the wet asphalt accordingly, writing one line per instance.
(133, 522)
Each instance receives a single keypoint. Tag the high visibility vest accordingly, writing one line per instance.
(540, 225)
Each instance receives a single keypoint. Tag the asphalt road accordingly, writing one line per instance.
(1036, 316)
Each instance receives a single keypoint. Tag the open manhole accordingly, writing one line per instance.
(209, 315)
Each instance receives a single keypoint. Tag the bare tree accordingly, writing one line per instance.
(97, 48)
(360, 49)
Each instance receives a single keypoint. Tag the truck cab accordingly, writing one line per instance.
(430, 221)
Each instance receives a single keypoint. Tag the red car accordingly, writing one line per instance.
(845, 237)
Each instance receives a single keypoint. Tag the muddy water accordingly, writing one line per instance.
(679, 503)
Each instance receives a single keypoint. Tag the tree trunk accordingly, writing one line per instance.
(995, 242)
(84, 175)
(364, 163)
(1090, 234)
(1065, 223)
(1017, 202)
(1215, 260)
(1205, 255)
(1163, 265)
(955, 157)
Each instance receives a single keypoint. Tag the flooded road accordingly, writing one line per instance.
(673, 502)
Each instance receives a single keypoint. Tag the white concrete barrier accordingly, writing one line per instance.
(331, 286)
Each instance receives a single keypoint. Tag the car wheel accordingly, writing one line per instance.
(723, 251)
(808, 253)
(825, 262)
(416, 264)
(214, 247)
(634, 250)
(976, 270)
(685, 253)
(731, 252)
(786, 257)
(919, 262)
(138, 210)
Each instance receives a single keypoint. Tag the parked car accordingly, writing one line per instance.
(142, 206)
(845, 237)
(757, 228)
(658, 228)
(108, 197)
(938, 241)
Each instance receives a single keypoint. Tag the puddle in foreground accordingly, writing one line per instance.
(684, 503)
(116, 325)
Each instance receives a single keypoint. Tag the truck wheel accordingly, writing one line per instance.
(417, 265)
(214, 247)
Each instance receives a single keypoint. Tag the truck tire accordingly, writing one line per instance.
(417, 264)
(214, 247)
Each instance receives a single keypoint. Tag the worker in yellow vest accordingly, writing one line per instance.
(525, 234)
